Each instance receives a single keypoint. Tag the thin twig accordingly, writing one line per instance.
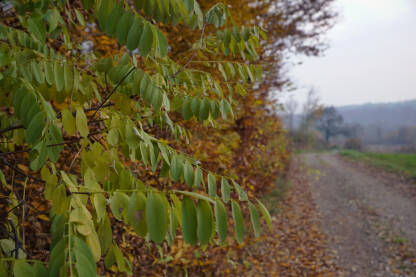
(10, 128)
(50, 145)
(3, 160)
(112, 92)
(193, 53)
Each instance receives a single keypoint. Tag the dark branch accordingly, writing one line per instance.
(112, 92)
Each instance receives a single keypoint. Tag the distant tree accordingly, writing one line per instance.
(312, 109)
(290, 107)
(330, 123)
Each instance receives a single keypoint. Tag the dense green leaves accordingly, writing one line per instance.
(29, 111)
(101, 107)
(131, 30)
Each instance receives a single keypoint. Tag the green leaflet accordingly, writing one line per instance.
(189, 221)
(134, 34)
(146, 40)
(195, 103)
(119, 203)
(22, 269)
(37, 28)
(173, 224)
(59, 76)
(38, 155)
(68, 77)
(205, 219)
(194, 195)
(221, 220)
(35, 128)
(38, 72)
(123, 27)
(212, 185)
(144, 152)
(188, 173)
(113, 137)
(265, 213)
(68, 121)
(176, 168)
(186, 110)
(113, 19)
(136, 213)
(28, 101)
(255, 219)
(57, 258)
(156, 217)
(49, 72)
(225, 108)
(94, 245)
(18, 97)
(84, 260)
(33, 110)
(242, 195)
(81, 122)
(87, 4)
(105, 234)
(204, 109)
(225, 190)
(238, 221)
(198, 177)
(100, 204)
(157, 99)
(162, 43)
(102, 12)
(54, 138)
(60, 201)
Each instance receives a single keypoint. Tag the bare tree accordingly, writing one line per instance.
(290, 108)
(312, 109)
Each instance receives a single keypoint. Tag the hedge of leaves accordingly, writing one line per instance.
(57, 95)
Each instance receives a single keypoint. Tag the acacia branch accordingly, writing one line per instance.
(20, 126)
(50, 145)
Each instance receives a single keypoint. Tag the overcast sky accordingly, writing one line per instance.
(372, 55)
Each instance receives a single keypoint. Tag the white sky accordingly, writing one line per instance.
(372, 55)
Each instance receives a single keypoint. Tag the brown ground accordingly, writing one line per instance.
(370, 220)
(297, 246)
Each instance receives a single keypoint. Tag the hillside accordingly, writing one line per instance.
(389, 115)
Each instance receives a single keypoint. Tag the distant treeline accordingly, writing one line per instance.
(380, 123)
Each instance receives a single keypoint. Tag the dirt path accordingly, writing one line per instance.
(370, 224)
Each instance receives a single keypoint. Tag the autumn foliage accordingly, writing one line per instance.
(186, 114)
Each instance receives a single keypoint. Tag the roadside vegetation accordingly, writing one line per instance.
(395, 162)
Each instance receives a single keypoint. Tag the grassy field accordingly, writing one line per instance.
(396, 162)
